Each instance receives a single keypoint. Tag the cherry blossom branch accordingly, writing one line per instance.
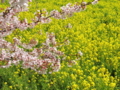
(43, 60)
(9, 21)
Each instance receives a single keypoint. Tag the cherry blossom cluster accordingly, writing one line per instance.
(44, 60)
(19, 4)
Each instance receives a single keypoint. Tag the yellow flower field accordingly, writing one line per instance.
(95, 32)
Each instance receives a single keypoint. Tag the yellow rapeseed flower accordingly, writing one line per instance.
(68, 87)
(44, 75)
(62, 81)
(112, 85)
(85, 84)
(73, 77)
(74, 86)
(80, 72)
(5, 83)
(16, 72)
(23, 72)
(28, 80)
(10, 87)
(26, 87)
(92, 84)
(89, 78)
(94, 67)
